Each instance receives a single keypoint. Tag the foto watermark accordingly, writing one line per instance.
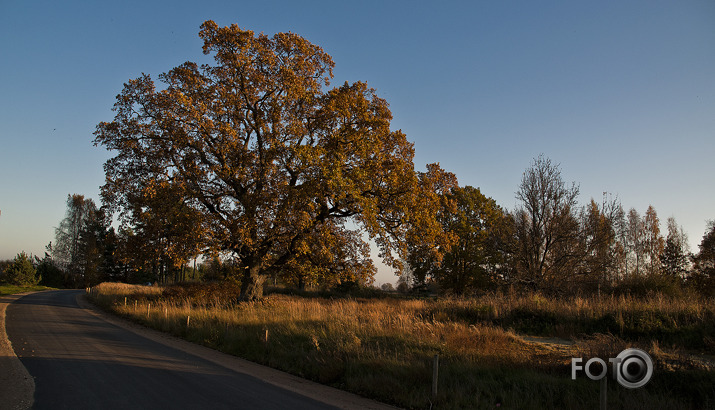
(632, 368)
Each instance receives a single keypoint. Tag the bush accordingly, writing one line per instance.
(647, 285)
(21, 272)
(204, 294)
(4, 264)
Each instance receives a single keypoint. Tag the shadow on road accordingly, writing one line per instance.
(81, 361)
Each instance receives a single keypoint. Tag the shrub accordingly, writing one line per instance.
(21, 272)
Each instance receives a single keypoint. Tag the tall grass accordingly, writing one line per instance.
(383, 348)
(670, 321)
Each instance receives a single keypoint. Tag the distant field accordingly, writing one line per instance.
(383, 347)
(12, 289)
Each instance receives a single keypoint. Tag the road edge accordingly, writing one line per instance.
(17, 386)
(322, 393)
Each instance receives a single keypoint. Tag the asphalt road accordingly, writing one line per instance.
(81, 361)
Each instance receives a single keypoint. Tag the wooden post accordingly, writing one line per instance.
(265, 338)
(435, 375)
(148, 310)
(125, 301)
(188, 319)
(604, 393)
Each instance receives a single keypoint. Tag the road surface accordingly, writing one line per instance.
(80, 359)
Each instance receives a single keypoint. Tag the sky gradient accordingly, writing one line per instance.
(620, 94)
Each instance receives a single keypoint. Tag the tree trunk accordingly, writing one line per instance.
(252, 283)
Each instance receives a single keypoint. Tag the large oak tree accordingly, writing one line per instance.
(265, 153)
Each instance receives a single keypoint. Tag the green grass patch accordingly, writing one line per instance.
(13, 289)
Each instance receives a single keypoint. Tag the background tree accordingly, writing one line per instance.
(425, 257)
(133, 261)
(21, 272)
(86, 247)
(110, 266)
(546, 226)
(475, 258)
(405, 281)
(263, 154)
(169, 232)
(90, 260)
(620, 247)
(599, 261)
(635, 241)
(331, 255)
(653, 241)
(675, 257)
(4, 265)
(51, 275)
(703, 277)
(74, 251)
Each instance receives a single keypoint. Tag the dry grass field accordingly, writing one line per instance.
(383, 348)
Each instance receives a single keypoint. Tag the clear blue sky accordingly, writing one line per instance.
(620, 93)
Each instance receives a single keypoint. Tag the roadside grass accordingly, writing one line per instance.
(13, 289)
(685, 322)
(383, 347)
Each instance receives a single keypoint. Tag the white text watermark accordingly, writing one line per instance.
(632, 368)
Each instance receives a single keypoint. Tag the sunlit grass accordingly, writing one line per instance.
(687, 322)
(383, 348)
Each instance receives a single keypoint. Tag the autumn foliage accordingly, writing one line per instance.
(263, 161)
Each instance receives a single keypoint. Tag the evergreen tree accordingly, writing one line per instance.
(21, 272)
(704, 263)
(48, 270)
(674, 259)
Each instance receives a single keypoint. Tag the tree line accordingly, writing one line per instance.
(259, 168)
(549, 243)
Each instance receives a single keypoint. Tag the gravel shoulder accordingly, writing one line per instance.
(17, 387)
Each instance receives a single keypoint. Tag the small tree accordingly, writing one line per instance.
(21, 272)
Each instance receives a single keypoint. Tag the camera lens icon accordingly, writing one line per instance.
(634, 368)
